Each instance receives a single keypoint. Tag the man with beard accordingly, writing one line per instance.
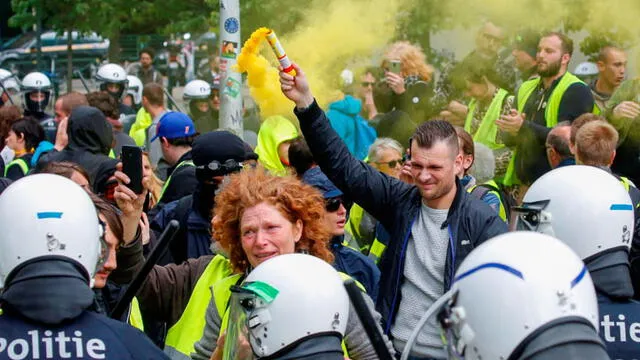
(215, 155)
(541, 103)
(612, 66)
(147, 73)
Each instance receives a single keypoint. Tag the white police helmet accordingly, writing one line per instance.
(134, 89)
(510, 287)
(36, 82)
(586, 69)
(197, 90)
(583, 206)
(9, 81)
(285, 300)
(48, 215)
(112, 74)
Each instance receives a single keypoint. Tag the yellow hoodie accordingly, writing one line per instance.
(274, 131)
(138, 130)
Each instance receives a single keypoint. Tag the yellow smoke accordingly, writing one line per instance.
(336, 34)
(262, 77)
(332, 35)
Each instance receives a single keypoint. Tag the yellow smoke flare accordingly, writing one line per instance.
(262, 77)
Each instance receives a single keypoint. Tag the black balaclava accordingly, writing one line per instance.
(212, 146)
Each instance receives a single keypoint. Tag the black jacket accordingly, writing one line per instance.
(396, 205)
(531, 159)
(90, 140)
(183, 180)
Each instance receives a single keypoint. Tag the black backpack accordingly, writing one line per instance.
(507, 200)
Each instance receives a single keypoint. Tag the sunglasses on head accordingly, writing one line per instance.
(333, 204)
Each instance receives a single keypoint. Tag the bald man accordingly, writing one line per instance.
(557, 145)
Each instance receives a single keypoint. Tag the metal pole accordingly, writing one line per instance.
(172, 101)
(38, 35)
(163, 245)
(84, 82)
(230, 80)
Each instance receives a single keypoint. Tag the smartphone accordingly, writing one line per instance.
(395, 66)
(132, 167)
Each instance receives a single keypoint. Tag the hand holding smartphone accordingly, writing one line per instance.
(132, 167)
(395, 66)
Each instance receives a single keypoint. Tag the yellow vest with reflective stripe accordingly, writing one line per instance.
(222, 295)
(502, 211)
(626, 183)
(550, 113)
(487, 131)
(135, 316)
(376, 251)
(182, 336)
(21, 163)
(166, 184)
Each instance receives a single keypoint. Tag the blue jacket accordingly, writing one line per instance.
(620, 327)
(89, 336)
(356, 265)
(344, 116)
(396, 205)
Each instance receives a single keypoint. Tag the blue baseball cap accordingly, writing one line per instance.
(316, 178)
(174, 125)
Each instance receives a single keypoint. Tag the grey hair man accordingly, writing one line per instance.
(484, 164)
(385, 154)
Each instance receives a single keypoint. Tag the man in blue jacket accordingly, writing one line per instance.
(433, 224)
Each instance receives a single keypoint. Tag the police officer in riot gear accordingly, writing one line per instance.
(10, 86)
(51, 245)
(589, 210)
(113, 79)
(36, 89)
(199, 95)
(134, 92)
(133, 99)
(541, 304)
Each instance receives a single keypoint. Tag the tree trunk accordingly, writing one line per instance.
(69, 60)
(114, 46)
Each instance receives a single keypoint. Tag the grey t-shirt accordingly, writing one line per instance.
(423, 283)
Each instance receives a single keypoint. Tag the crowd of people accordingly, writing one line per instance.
(483, 210)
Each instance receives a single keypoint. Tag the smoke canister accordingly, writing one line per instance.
(280, 54)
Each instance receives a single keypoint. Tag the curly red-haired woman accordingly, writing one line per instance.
(260, 216)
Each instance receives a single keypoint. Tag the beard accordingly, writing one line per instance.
(552, 69)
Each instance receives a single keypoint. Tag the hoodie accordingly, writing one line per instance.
(90, 140)
(353, 129)
(274, 131)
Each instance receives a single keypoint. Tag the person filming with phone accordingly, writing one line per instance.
(406, 84)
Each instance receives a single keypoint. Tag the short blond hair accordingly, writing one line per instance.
(596, 143)
(413, 59)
